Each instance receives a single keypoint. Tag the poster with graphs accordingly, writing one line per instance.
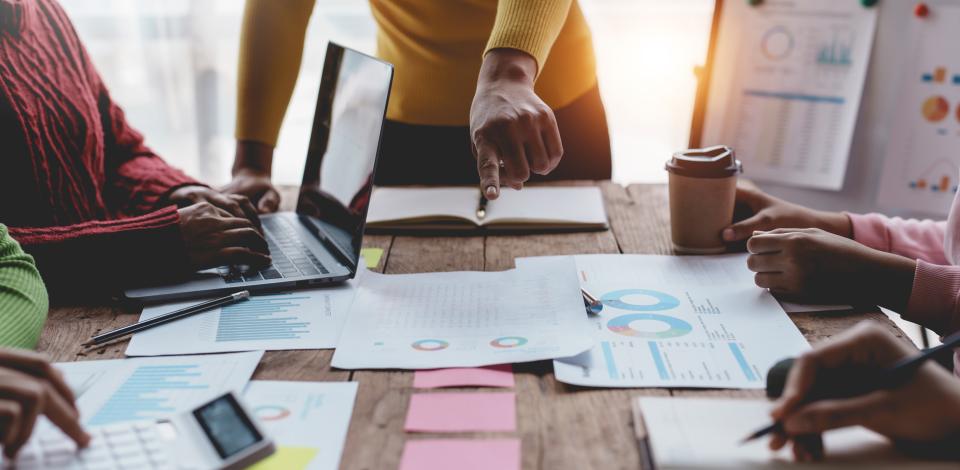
(922, 163)
(670, 321)
(786, 85)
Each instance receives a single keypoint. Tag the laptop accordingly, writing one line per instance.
(320, 242)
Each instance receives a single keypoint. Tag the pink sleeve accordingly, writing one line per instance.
(934, 298)
(915, 239)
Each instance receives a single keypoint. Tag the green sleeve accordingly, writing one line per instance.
(23, 297)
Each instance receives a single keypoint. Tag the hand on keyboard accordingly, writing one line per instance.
(30, 387)
(213, 237)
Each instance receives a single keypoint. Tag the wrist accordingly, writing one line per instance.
(837, 223)
(253, 158)
(893, 281)
(507, 66)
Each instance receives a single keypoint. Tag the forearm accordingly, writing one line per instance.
(890, 282)
(23, 297)
(271, 46)
(917, 239)
(100, 257)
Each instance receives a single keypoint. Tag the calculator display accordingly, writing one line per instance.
(227, 426)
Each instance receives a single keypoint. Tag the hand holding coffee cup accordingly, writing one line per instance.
(703, 186)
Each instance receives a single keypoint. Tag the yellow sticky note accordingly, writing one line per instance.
(287, 458)
(372, 256)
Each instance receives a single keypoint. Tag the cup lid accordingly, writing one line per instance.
(712, 162)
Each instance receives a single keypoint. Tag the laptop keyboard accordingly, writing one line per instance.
(291, 257)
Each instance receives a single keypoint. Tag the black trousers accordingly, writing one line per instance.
(442, 155)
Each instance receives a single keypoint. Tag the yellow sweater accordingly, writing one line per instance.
(436, 46)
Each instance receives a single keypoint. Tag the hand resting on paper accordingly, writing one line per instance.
(920, 415)
(813, 264)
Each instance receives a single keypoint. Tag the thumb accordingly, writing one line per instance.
(824, 415)
(488, 168)
(744, 229)
(752, 197)
(269, 202)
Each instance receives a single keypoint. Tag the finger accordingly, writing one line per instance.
(237, 256)
(247, 208)
(824, 415)
(765, 243)
(228, 204)
(245, 237)
(37, 365)
(10, 416)
(232, 223)
(552, 141)
(269, 202)
(64, 417)
(752, 197)
(808, 448)
(30, 394)
(777, 441)
(744, 229)
(775, 281)
(766, 263)
(534, 148)
(516, 170)
(488, 168)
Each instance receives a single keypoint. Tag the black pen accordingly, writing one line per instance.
(167, 317)
(482, 207)
(851, 382)
(592, 304)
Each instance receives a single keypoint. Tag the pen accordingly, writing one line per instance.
(482, 207)
(592, 303)
(167, 317)
(851, 382)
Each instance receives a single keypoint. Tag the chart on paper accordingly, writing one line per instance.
(922, 164)
(431, 320)
(152, 388)
(678, 322)
(309, 319)
(786, 87)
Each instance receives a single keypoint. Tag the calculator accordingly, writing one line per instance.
(219, 434)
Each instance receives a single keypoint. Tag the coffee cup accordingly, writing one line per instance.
(703, 187)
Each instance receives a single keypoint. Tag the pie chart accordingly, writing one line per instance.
(649, 325)
(935, 108)
(777, 43)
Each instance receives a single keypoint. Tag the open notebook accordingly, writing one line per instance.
(702, 433)
(455, 208)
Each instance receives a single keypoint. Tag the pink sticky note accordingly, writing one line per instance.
(462, 454)
(490, 376)
(462, 412)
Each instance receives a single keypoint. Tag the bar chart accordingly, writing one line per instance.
(148, 393)
(264, 318)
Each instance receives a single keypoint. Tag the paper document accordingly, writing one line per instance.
(795, 307)
(303, 319)
(785, 87)
(156, 387)
(308, 421)
(456, 207)
(464, 319)
(922, 165)
(692, 433)
(677, 321)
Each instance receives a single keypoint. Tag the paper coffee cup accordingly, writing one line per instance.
(703, 186)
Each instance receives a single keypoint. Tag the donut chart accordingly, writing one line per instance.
(935, 108)
(621, 325)
(777, 43)
(271, 412)
(664, 301)
(506, 342)
(430, 345)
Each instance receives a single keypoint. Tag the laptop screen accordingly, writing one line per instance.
(344, 145)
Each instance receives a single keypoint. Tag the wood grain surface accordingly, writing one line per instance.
(561, 426)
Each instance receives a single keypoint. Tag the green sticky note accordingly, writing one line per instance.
(287, 458)
(372, 256)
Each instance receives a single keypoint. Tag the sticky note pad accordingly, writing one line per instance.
(490, 376)
(462, 454)
(462, 412)
(372, 256)
(287, 458)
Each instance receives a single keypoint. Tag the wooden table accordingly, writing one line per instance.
(561, 427)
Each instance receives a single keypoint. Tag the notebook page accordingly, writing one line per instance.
(421, 204)
(580, 205)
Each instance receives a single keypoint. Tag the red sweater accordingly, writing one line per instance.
(78, 187)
